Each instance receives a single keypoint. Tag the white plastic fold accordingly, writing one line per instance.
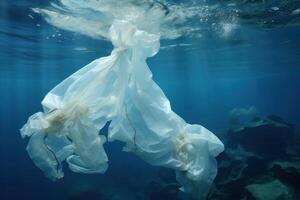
(119, 88)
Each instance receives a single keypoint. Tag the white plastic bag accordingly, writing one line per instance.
(150, 129)
(119, 88)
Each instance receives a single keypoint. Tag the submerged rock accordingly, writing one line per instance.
(273, 190)
(237, 169)
(270, 135)
(240, 116)
(287, 171)
(250, 169)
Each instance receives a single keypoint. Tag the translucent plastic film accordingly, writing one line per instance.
(119, 88)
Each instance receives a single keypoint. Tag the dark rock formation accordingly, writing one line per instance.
(261, 161)
(287, 171)
(273, 190)
(269, 136)
(237, 168)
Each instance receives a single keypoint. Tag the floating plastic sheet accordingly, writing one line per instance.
(119, 88)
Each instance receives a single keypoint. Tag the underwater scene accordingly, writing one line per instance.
(150, 99)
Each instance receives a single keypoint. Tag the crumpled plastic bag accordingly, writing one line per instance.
(119, 88)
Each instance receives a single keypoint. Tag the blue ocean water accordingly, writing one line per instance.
(204, 81)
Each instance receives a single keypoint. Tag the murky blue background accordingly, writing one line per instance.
(203, 82)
